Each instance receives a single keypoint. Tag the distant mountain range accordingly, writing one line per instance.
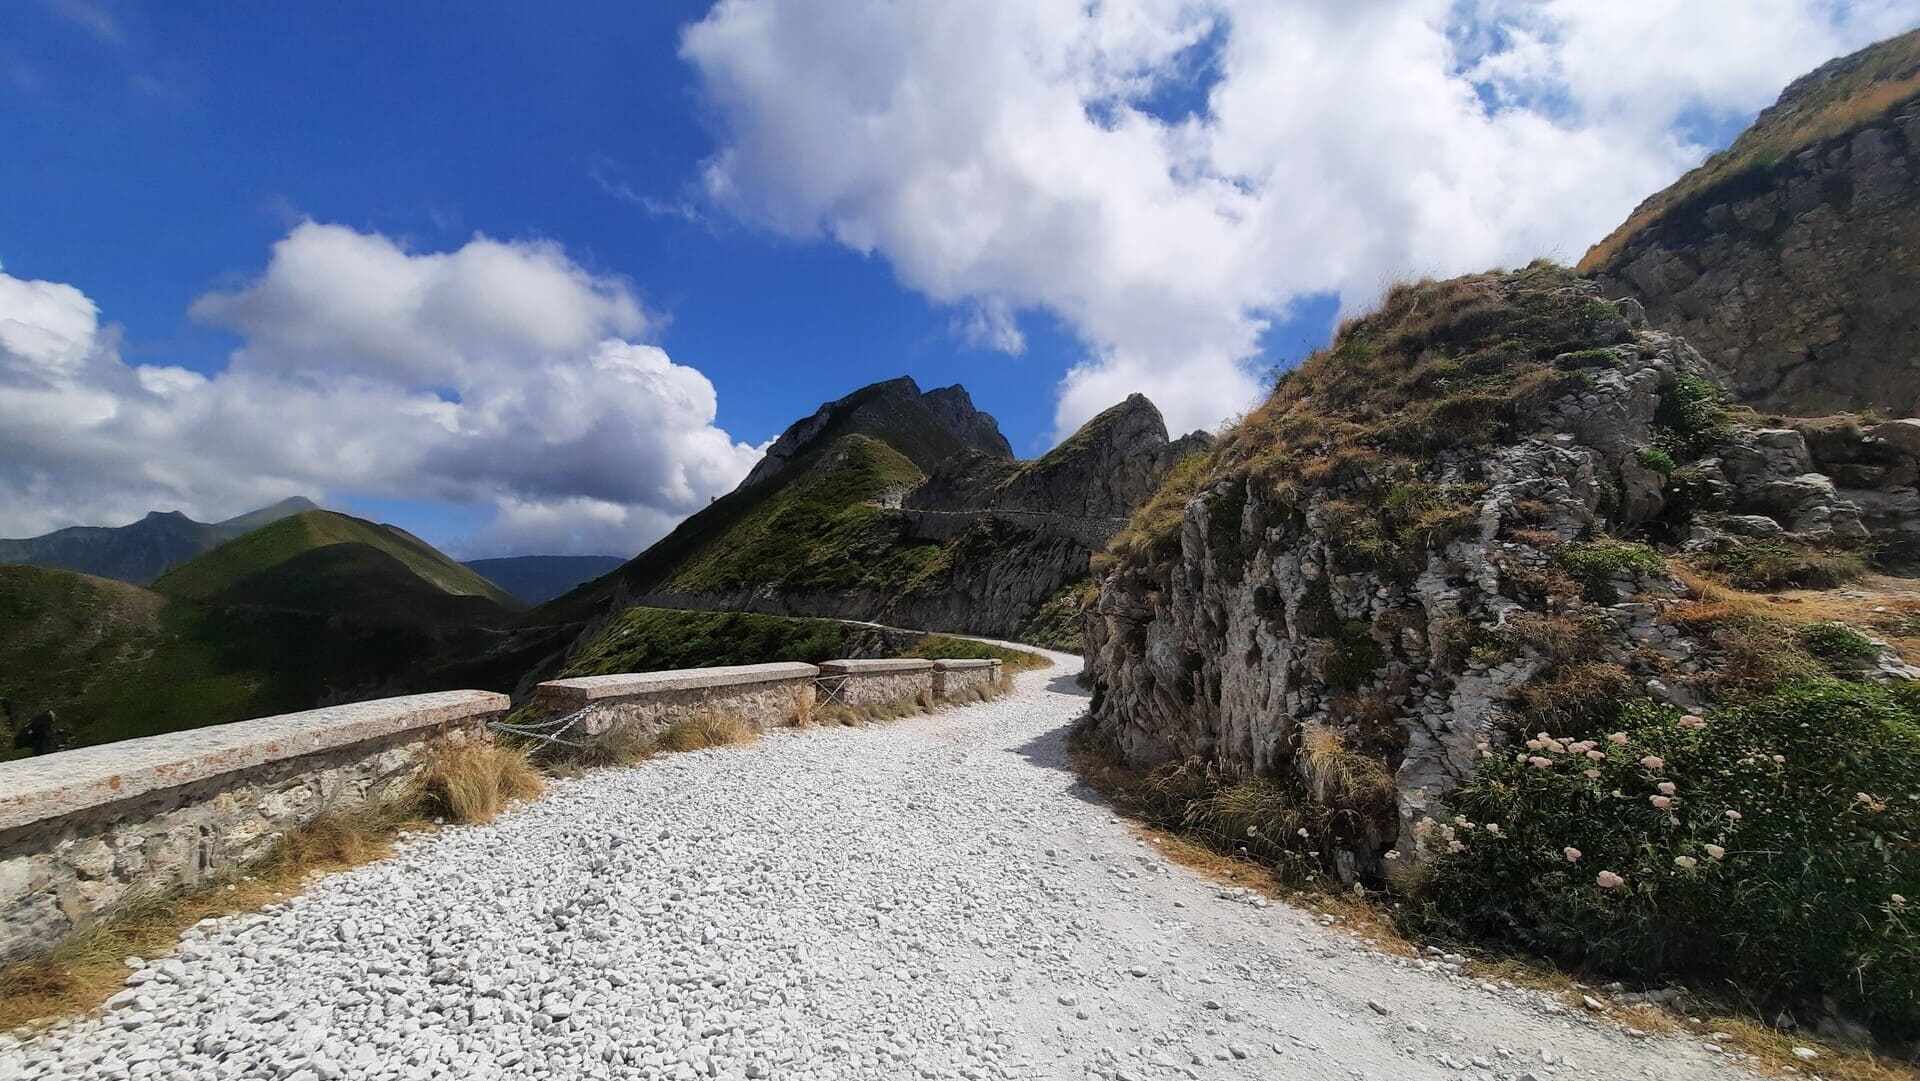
(142, 551)
(538, 579)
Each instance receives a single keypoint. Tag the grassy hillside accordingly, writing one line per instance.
(823, 529)
(658, 639)
(112, 660)
(218, 572)
(115, 661)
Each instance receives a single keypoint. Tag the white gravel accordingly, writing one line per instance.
(935, 898)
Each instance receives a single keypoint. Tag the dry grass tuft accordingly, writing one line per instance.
(474, 781)
(706, 730)
(800, 705)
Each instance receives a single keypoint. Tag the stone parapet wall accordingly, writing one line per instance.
(952, 679)
(871, 683)
(763, 695)
(82, 830)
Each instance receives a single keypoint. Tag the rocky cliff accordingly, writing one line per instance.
(1497, 506)
(1791, 260)
(902, 507)
(1104, 470)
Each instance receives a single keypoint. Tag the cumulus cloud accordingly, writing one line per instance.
(1019, 154)
(500, 373)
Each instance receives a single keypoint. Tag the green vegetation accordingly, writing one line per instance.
(1657, 460)
(1837, 643)
(1887, 75)
(1440, 366)
(1057, 624)
(937, 646)
(222, 572)
(1595, 564)
(1690, 420)
(1153, 532)
(1778, 564)
(660, 639)
(1772, 843)
(824, 530)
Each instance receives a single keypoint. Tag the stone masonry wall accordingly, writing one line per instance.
(873, 683)
(763, 705)
(70, 851)
(951, 679)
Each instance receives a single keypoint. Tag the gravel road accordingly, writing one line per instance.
(935, 898)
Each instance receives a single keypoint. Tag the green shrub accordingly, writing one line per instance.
(1657, 460)
(1691, 418)
(1788, 859)
(1837, 642)
(1595, 564)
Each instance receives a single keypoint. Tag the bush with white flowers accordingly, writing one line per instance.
(1773, 844)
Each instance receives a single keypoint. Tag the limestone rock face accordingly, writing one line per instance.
(1104, 470)
(1792, 260)
(1396, 606)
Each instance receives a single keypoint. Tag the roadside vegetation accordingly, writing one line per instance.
(1762, 851)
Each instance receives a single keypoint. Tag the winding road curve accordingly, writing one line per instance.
(935, 898)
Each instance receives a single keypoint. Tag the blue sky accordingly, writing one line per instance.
(163, 158)
(156, 153)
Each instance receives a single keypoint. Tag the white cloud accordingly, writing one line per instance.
(499, 373)
(1003, 155)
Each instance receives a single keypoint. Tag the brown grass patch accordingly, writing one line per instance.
(707, 730)
(474, 781)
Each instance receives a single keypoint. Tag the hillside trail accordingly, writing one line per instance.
(935, 898)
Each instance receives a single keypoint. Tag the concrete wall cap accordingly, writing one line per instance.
(585, 689)
(957, 663)
(51, 785)
(874, 667)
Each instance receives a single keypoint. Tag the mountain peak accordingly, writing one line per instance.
(927, 427)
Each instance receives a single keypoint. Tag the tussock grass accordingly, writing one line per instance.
(473, 782)
(707, 730)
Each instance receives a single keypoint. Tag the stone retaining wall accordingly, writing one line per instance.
(763, 695)
(951, 679)
(877, 682)
(81, 830)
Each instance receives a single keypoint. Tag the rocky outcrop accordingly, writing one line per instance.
(928, 427)
(1419, 546)
(1104, 470)
(1792, 259)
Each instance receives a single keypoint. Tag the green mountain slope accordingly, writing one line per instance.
(826, 527)
(231, 572)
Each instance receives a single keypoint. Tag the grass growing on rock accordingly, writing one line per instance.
(825, 530)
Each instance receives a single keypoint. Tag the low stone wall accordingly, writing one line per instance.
(871, 683)
(81, 830)
(951, 679)
(763, 695)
